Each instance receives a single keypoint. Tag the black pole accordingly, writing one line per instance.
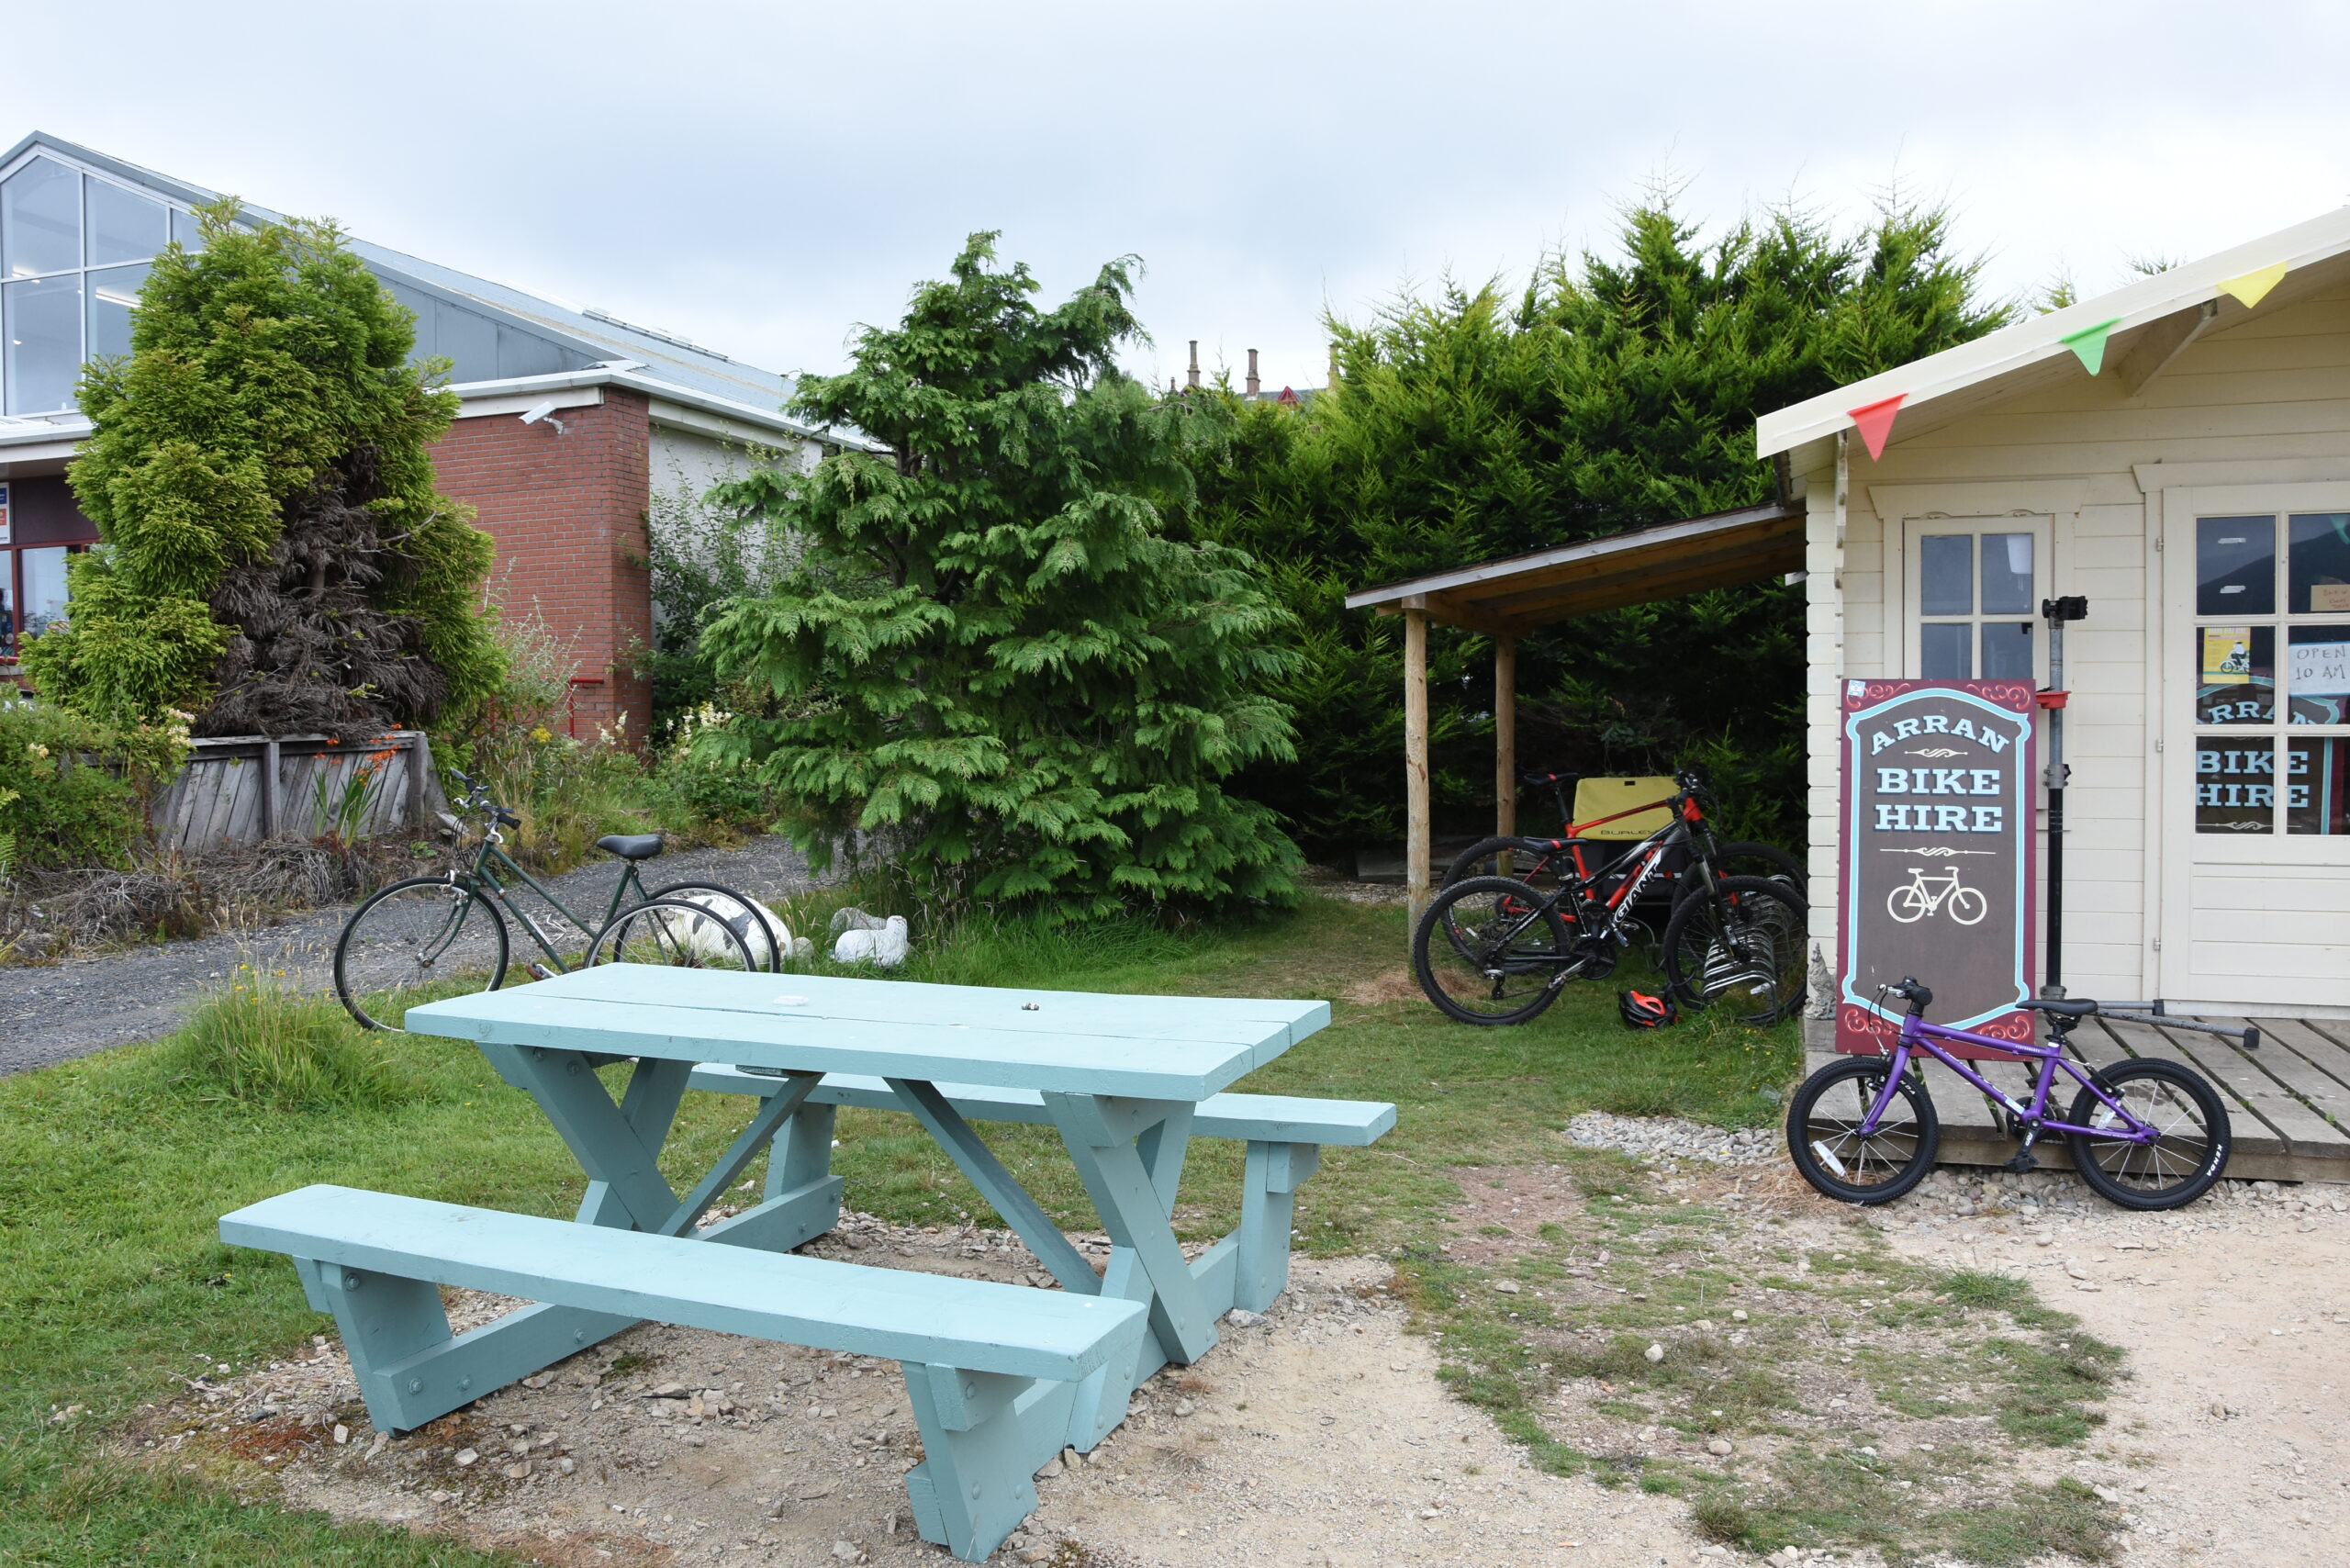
(2058, 611)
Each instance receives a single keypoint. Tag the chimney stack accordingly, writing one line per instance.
(1195, 363)
(1252, 372)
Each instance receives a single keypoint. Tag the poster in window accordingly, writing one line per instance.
(1937, 855)
(2227, 656)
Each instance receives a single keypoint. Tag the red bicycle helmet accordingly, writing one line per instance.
(1641, 1011)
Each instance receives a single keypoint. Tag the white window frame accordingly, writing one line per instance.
(1913, 620)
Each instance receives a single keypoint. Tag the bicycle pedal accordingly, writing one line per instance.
(2022, 1163)
(540, 971)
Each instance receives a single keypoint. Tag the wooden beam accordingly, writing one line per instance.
(1452, 613)
(1415, 764)
(2161, 343)
(1506, 742)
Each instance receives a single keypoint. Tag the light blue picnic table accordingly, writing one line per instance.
(1000, 1377)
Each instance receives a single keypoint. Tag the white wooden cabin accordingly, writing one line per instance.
(2196, 490)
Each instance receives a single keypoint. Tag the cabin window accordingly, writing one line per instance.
(1975, 594)
(2270, 643)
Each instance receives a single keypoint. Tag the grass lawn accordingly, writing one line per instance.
(114, 1168)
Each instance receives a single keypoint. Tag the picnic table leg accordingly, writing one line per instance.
(1100, 1131)
(1267, 1205)
(984, 1437)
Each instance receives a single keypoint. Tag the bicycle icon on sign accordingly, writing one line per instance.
(1919, 898)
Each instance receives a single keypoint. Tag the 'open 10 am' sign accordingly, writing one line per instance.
(1935, 869)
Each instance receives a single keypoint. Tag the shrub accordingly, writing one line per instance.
(74, 791)
(258, 1046)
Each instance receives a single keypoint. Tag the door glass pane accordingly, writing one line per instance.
(113, 295)
(44, 586)
(1946, 652)
(2235, 566)
(2317, 786)
(2317, 674)
(123, 226)
(40, 219)
(1946, 575)
(2235, 786)
(2235, 673)
(2317, 566)
(2007, 575)
(44, 347)
(2006, 648)
(7, 601)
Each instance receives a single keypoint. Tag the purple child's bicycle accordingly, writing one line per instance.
(2145, 1134)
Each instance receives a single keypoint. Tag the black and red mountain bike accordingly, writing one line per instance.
(1495, 949)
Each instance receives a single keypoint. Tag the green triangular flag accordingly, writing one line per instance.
(2089, 344)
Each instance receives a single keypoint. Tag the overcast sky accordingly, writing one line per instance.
(764, 178)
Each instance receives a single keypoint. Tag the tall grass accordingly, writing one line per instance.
(257, 1044)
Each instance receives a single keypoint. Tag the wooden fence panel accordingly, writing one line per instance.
(218, 797)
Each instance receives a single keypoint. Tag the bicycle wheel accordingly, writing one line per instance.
(1967, 906)
(1742, 950)
(672, 932)
(748, 918)
(1489, 951)
(1906, 904)
(1825, 1141)
(416, 940)
(2177, 1167)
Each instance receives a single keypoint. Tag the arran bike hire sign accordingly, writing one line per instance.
(1935, 872)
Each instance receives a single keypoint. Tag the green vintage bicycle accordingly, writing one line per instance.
(433, 937)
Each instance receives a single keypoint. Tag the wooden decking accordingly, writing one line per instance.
(2289, 1100)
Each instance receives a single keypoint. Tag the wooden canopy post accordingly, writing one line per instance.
(1416, 763)
(1505, 743)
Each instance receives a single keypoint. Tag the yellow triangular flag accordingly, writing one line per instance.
(2252, 287)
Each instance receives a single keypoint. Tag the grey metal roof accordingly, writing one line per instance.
(493, 331)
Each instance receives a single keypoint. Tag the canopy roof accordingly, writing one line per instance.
(2146, 323)
(1507, 596)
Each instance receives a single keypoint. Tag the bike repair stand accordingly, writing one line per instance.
(2057, 611)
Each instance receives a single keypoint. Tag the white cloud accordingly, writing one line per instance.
(762, 177)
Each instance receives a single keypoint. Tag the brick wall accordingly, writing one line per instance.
(567, 512)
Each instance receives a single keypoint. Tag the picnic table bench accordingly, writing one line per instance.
(1001, 1376)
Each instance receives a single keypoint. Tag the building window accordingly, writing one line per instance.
(2270, 643)
(74, 250)
(32, 590)
(1974, 595)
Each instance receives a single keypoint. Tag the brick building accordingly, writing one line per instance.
(578, 430)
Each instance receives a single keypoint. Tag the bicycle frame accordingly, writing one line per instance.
(484, 877)
(1916, 1034)
(1646, 858)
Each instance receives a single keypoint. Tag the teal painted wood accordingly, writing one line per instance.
(1273, 1118)
(803, 1148)
(1268, 1210)
(999, 1186)
(598, 1133)
(840, 1000)
(1127, 1200)
(808, 1301)
(976, 1483)
(747, 1147)
(1133, 1060)
(649, 1105)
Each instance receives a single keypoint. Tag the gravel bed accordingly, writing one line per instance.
(1670, 1139)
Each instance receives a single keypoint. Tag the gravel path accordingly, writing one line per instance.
(55, 1012)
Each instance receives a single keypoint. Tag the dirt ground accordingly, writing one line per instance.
(1322, 1436)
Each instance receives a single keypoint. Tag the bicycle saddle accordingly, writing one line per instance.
(2081, 1009)
(632, 845)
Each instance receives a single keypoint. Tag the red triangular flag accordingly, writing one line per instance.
(1875, 421)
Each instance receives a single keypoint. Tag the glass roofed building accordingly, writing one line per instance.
(575, 426)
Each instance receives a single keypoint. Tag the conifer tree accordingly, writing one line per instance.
(274, 556)
(991, 656)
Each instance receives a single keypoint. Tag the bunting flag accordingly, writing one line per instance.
(1875, 421)
(2089, 344)
(2252, 287)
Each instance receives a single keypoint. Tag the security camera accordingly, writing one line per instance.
(544, 411)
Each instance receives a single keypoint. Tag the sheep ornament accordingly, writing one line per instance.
(867, 939)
